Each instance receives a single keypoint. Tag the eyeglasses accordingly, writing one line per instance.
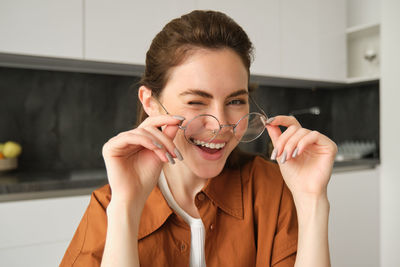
(204, 128)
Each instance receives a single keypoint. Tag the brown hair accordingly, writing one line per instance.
(181, 37)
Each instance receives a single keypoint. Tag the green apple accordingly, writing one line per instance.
(12, 149)
(1, 147)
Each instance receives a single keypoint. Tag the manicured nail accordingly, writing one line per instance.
(179, 117)
(178, 154)
(274, 152)
(295, 152)
(157, 144)
(263, 120)
(283, 157)
(270, 120)
(169, 157)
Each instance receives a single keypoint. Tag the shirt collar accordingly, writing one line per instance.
(155, 212)
(225, 190)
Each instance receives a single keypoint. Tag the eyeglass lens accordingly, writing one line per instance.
(202, 128)
(206, 128)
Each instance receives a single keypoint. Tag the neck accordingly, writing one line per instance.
(184, 185)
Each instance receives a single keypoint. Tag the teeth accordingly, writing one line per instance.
(210, 145)
(218, 146)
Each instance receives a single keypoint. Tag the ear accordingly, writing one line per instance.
(150, 107)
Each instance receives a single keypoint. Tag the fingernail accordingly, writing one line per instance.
(263, 120)
(274, 152)
(283, 157)
(270, 120)
(157, 144)
(295, 152)
(169, 157)
(178, 117)
(178, 154)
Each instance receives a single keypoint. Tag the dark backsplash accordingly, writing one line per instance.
(62, 119)
(346, 114)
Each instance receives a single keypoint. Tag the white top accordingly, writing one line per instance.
(197, 230)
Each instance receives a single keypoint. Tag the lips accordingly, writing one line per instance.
(209, 150)
(214, 144)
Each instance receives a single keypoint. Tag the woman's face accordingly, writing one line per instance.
(208, 82)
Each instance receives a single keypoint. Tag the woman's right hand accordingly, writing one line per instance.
(134, 158)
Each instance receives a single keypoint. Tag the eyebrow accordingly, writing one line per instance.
(202, 93)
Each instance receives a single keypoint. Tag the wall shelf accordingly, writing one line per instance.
(363, 52)
(356, 80)
(363, 30)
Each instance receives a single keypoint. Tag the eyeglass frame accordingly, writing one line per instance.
(221, 125)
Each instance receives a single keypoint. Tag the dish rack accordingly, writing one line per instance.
(8, 164)
(353, 150)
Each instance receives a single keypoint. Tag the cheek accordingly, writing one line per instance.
(232, 145)
(180, 141)
(241, 128)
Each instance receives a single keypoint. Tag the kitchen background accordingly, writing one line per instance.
(68, 83)
(62, 119)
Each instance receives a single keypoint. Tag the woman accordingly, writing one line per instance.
(182, 194)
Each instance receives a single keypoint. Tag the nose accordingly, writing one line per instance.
(223, 119)
(220, 114)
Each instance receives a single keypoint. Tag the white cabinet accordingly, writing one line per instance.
(313, 42)
(363, 12)
(38, 232)
(363, 40)
(354, 218)
(122, 30)
(297, 39)
(43, 27)
(260, 19)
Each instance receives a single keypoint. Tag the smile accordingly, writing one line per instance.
(209, 145)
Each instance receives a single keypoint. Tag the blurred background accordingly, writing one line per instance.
(68, 83)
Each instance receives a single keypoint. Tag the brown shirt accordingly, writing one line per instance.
(248, 214)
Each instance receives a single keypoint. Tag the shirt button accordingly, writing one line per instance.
(201, 196)
(183, 247)
(212, 227)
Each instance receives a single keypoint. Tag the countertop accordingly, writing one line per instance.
(355, 165)
(17, 185)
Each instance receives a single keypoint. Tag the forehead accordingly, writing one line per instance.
(218, 72)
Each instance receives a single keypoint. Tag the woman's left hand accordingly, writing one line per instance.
(306, 173)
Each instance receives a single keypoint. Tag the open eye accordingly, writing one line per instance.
(237, 102)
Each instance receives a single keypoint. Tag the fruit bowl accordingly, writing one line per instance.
(8, 164)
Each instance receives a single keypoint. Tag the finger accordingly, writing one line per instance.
(324, 144)
(170, 131)
(280, 141)
(274, 132)
(129, 143)
(161, 120)
(291, 144)
(283, 121)
(160, 151)
(164, 140)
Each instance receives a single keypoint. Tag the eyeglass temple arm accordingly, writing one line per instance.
(161, 105)
(254, 102)
(166, 111)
